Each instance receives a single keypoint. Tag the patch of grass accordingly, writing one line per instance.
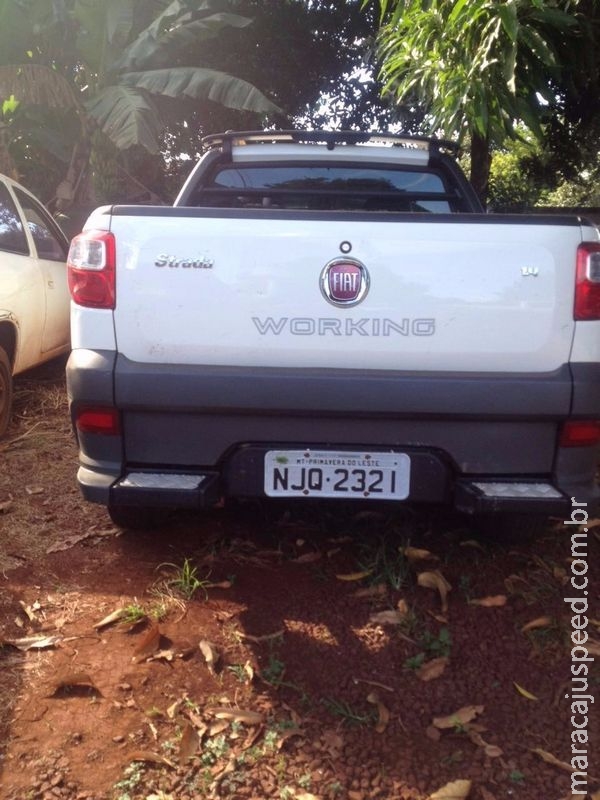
(133, 777)
(414, 662)
(516, 776)
(239, 671)
(274, 671)
(437, 646)
(274, 674)
(134, 612)
(213, 750)
(348, 714)
(432, 647)
(384, 560)
(186, 580)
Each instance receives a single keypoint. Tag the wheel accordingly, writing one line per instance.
(137, 518)
(6, 392)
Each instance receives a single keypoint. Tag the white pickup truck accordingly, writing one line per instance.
(333, 315)
(34, 297)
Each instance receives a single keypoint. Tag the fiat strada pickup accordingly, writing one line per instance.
(332, 315)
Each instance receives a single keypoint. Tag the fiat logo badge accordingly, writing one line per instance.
(344, 282)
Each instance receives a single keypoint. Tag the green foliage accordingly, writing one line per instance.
(516, 181)
(348, 714)
(185, 580)
(110, 64)
(478, 67)
(433, 647)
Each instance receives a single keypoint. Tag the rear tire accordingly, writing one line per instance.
(137, 518)
(6, 392)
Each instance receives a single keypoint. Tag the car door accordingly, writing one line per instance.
(22, 307)
(51, 247)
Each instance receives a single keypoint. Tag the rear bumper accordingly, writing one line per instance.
(216, 423)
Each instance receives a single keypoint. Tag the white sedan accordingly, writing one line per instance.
(34, 296)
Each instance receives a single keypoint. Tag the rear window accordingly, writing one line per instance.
(333, 188)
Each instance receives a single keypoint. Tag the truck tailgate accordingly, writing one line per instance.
(445, 293)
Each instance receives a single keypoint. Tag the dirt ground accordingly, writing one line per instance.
(285, 652)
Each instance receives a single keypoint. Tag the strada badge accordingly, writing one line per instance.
(199, 262)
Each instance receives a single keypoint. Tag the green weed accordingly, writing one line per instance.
(385, 562)
(186, 580)
(340, 708)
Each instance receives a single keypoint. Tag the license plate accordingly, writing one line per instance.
(323, 473)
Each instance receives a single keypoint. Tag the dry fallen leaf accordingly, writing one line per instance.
(288, 733)
(390, 617)
(377, 590)
(114, 616)
(264, 638)
(493, 601)
(593, 647)
(34, 642)
(5, 505)
(383, 712)
(539, 622)
(308, 558)
(460, 717)
(431, 670)
(354, 576)
(456, 790)
(148, 646)
(237, 715)
(162, 655)
(472, 543)
(173, 709)
(152, 758)
(435, 580)
(414, 554)
(524, 692)
(402, 607)
(491, 750)
(215, 728)
(189, 743)
(550, 759)
(30, 611)
(210, 653)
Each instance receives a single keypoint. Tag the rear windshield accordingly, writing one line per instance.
(333, 188)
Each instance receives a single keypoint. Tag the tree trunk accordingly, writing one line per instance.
(481, 159)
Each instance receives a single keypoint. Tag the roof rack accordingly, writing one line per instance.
(330, 138)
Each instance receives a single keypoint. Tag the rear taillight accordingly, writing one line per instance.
(587, 287)
(580, 433)
(91, 269)
(98, 420)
